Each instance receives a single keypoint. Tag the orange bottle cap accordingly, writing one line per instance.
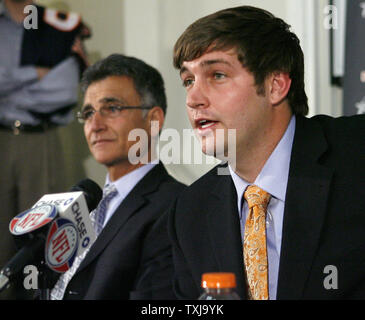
(218, 280)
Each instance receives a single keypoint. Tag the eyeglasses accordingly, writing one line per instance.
(108, 112)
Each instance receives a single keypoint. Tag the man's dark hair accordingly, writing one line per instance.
(264, 45)
(147, 80)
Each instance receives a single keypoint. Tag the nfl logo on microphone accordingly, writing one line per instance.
(61, 245)
(32, 219)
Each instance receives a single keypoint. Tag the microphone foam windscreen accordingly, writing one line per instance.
(93, 193)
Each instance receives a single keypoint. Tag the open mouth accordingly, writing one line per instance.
(205, 123)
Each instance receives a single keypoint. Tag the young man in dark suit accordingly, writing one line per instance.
(131, 257)
(289, 218)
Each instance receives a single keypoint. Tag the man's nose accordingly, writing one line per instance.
(97, 122)
(197, 95)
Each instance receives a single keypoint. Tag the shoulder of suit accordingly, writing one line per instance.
(217, 173)
(203, 186)
(60, 20)
(349, 125)
(172, 185)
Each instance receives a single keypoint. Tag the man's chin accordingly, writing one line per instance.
(209, 151)
(212, 152)
(109, 162)
(211, 148)
(220, 153)
(126, 162)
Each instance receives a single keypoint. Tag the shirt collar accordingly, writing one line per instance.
(273, 177)
(126, 183)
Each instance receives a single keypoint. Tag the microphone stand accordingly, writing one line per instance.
(25, 255)
(44, 282)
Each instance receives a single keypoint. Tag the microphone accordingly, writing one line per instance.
(93, 192)
(55, 230)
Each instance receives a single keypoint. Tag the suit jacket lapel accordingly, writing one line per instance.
(224, 231)
(126, 209)
(305, 207)
(129, 206)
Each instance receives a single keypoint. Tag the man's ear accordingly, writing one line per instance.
(279, 85)
(156, 118)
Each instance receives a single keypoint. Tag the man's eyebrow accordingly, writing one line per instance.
(111, 99)
(206, 63)
(87, 106)
(183, 70)
(105, 100)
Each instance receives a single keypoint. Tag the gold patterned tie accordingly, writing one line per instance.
(254, 243)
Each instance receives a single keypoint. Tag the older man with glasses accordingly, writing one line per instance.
(131, 258)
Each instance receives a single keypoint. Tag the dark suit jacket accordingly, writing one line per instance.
(324, 219)
(132, 258)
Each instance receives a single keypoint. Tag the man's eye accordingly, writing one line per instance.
(219, 75)
(87, 114)
(187, 82)
(112, 109)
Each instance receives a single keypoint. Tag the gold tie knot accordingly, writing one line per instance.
(256, 197)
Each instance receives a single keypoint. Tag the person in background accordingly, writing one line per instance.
(289, 217)
(40, 67)
(131, 257)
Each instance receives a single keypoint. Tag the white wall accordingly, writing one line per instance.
(148, 30)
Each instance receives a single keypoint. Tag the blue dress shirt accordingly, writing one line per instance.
(273, 178)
